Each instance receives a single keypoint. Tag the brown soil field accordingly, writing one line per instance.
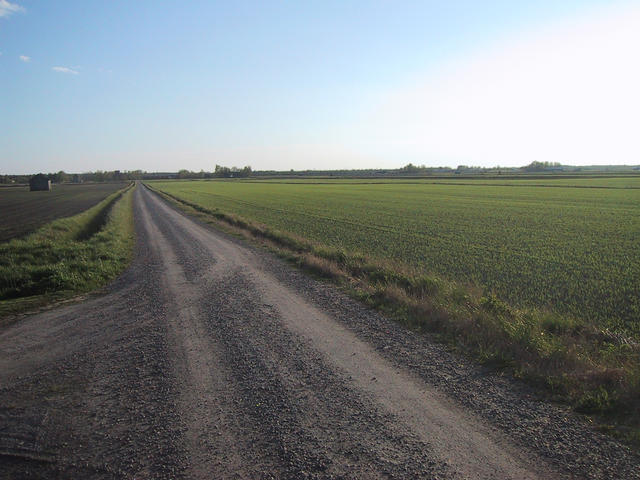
(22, 211)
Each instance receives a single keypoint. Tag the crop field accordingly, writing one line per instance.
(22, 211)
(631, 181)
(571, 246)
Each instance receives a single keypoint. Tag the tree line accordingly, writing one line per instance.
(234, 172)
(119, 176)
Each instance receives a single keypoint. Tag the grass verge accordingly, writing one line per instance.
(68, 256)
(594, 370)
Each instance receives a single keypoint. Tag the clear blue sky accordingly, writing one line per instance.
(160, 86)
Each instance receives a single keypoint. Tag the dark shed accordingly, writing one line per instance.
(39, 182)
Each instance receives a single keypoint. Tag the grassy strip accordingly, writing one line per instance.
(68, 256)
(594, 370)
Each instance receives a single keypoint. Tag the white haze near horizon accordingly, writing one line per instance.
(569, 93)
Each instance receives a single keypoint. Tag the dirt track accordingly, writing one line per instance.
(211, 359)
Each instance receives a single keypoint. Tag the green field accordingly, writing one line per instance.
(582, 181)
(22, 211)
(568, 245)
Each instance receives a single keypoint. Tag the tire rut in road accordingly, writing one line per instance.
(321, 425)
(221, 442)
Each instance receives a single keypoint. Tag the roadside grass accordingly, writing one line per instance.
(572, 360)
(68, 256)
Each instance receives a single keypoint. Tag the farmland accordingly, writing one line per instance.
(535, 243)
(631, 181)
(67, 256)
(22, 211)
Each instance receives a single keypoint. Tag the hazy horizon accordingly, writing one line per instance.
(365, 168)
(144, 86)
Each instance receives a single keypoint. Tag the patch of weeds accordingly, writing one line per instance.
(495, 359)
(597, 401)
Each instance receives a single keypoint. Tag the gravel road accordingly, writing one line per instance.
(212, 359)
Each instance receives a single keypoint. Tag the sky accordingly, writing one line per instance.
(161, 86)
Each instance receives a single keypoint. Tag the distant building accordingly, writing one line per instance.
(39, 182)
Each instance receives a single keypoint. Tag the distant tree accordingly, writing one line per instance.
(134, 174)
(184, 173)
(221, 172)
(410, 168)
(226, 172)
(59, 177)
(536, 166)
(245, 172)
